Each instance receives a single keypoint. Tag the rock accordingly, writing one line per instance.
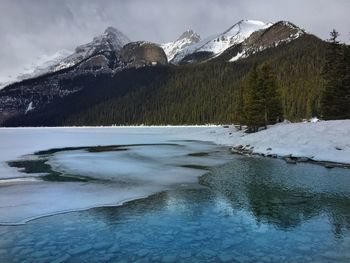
(303, 159)
(329, 166)
(139, 54)
(96, 62)
(290, 160)
(268, 149)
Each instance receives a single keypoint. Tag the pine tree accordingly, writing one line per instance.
(262, 103)
(271, 100)
(253, 102)
(334, 100)
(346, 81)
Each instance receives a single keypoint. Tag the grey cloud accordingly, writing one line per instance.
(30, 28)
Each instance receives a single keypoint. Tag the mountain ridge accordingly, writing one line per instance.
(34, 95)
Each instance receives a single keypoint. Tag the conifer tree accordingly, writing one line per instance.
(346, 81)
(334, 102)
(253, 102)
(271, 100)
(262, 103)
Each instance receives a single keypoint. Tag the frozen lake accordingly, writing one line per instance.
(192, 200)
(101, 167)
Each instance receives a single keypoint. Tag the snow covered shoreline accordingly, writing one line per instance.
(327, 141)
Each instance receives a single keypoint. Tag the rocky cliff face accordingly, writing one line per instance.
(139, 54)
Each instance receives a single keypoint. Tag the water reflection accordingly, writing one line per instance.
(284, 196)
(249, 210)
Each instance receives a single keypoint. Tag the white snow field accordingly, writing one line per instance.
(140, 170)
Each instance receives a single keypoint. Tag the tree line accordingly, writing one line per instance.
(335, 100)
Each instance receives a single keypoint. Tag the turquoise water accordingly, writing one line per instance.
(248, 210)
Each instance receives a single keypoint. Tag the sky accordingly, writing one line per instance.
(33, 31)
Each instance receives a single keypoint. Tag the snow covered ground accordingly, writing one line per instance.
(141, 170)
(319, 141)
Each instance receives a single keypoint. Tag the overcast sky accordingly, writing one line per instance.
(33, 29)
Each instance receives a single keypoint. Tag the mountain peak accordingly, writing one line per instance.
(112, 31)
(188, 38)
(190, 34)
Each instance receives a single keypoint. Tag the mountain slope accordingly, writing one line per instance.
(195, 93)
(103, 55)
(112, 40)
(188, 38)
(216, 44)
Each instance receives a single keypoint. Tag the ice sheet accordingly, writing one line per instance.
(139, 171)
(146, 169)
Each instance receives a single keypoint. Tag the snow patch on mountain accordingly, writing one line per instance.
(234, 35)
(30, 107)
(188, 38)
(219, 43)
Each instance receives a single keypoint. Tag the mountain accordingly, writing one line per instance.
(110, 84)
(112, 40)
(99, 50)
(278, 33)
(187, 38)
(108, 53)
(218, 43)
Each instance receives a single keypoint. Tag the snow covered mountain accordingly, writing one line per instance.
(111, 41)
(216, 44)
(188, 38)
(276, 34)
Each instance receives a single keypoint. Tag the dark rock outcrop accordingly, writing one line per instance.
(140, 54)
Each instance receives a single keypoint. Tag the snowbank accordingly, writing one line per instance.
(319, 141)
